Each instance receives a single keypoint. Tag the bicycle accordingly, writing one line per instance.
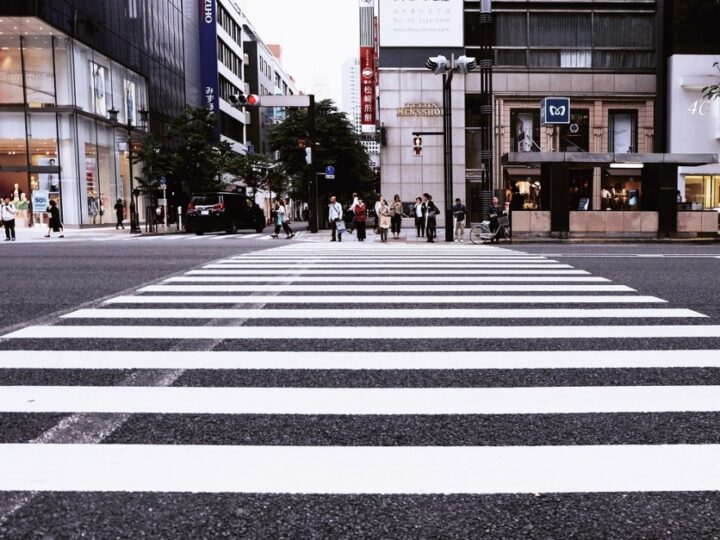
(481, 233)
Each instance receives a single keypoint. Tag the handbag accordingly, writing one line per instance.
(340, 225)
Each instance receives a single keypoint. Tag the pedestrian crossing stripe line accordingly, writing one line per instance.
(351, 470)
(380, 270)
(323, 259)
(354, 360)
(450, 313)
(401, 300)
(248, 236)
(358, 401)
(460, 287)
(496, 333)
(399, 267)
(384, 279)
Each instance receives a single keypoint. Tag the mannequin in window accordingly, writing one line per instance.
(93, 206)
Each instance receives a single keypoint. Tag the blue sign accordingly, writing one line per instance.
(555, 110)
(40, 200)
(330, 170)
(163, 182)
(208, 58)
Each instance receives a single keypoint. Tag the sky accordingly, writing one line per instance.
(316, 36)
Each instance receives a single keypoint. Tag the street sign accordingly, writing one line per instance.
(329, 172)
(163, 182)
(555, 110)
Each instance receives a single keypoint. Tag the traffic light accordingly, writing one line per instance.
(242, 100)
(417, 145)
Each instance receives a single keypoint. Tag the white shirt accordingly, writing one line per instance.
(354, 204)
(7, 212)
(334, 211)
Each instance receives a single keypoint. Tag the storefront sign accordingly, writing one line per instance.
(555, 110)
(420, 109)
(208, 57)
(40, 200)
(420, 23)
(367, 89)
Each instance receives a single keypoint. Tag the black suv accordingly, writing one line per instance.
(230, 212)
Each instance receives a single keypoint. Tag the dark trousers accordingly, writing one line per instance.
(119, 221)
(395, 223)
(419, 226)
(285, 228)
(360, 228)
(430, 230)
(335, 234)
(9, 228)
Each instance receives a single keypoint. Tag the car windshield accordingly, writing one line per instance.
(205, 200)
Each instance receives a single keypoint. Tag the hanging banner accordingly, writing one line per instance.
(367, 89)
(209, 57)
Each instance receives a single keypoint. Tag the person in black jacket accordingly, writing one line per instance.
(495, 210)
(431, 211)
(54, 225)
(119, 213)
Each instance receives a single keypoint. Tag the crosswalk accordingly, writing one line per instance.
(216, 380)
(30, 236)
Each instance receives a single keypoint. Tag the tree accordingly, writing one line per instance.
(200, 159)
(153, 157)
(713, 91)
(336, 144)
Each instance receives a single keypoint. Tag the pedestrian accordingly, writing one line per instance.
(351, 212)
(459, 213)
(281, 219)
(335, 214)
(396, 211)
(378, 204)
(495, 211)
(360, 219)
(431, 213)
(119, 214)
(54, 225)
(385, 215)
(7, 214)
(419, 219)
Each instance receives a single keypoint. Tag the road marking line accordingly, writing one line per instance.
(358, 469)
(496, 333)
(399, 300)
(384, 279)
(353, 271)
(353, 360)
(358, 401)
(400, 267)
(379, 314)
(390, 288)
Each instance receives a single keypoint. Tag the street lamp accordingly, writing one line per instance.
(113, 114)
(440, 65)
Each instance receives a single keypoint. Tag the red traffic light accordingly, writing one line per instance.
(253, 99)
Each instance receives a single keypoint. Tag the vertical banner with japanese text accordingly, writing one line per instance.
(208, 58)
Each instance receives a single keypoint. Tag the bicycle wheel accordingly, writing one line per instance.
(506, 235)
(478, 235)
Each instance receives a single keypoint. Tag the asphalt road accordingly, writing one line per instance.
(43, 281)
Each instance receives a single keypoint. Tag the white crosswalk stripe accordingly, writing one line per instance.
(306, 332)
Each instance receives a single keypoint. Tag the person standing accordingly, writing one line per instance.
(351, 212)
(378, 203)
(281, 220)
(119, 214)
(8, 213)
(385, 215)
(360, 219)
(431, 213)
(334, 215)
(459, 214)
(419, 219)
(396, 211)
(495, 211)
(54, 225)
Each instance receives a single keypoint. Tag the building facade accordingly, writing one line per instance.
(602, 56)
(65, 68)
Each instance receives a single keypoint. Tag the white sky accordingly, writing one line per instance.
(316, 36)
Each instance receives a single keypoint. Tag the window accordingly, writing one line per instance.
(575, 137)
(231, 128)
(524, 130)
(560, 30)
(622, 131)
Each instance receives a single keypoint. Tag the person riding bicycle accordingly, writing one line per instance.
(495, 211)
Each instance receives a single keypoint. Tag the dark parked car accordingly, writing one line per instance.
(222, 211)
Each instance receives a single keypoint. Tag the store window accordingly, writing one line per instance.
(701, 192)
(13, 153)
(525, 130)
(39, 72)
(575, 137)
(11, 77)
(621, 189)
(581, 182)
(64, 71)
(622, 131)
(42, 141)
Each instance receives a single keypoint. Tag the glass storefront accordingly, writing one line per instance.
(55, 132)
(701, 192)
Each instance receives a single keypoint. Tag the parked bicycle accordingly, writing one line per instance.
(481, 233)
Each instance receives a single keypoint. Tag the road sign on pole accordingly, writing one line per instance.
(329, 172)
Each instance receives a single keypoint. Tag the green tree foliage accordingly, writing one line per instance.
(199, 160)
(713, 91)
(336, 144)
(153, 158)
(259, 172)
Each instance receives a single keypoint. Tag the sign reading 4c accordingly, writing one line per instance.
(555, 110)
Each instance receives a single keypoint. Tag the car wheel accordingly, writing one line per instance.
(260, 227)
(232, 229)
(199, 233)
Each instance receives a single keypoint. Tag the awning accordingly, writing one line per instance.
(522, 171)
(601, 159)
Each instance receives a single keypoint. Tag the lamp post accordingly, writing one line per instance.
(128, 127)
(442, 66)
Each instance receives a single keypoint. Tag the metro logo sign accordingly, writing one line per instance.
(555, 111)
